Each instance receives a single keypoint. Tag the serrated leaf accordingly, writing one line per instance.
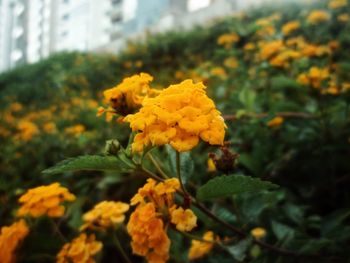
(229, 185)
(88, 162)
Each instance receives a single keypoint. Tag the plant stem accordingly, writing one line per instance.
(156, 164)
(187, 196)
(120, 248)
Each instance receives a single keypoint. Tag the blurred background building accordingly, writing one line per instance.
(33, 29)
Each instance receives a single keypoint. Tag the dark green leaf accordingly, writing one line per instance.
(88, 162)
(229, 185)
(238, 251)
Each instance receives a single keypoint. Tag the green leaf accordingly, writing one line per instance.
(238, 251)
(247, 97)
(229, 185)
(282, 232)
(89, 162)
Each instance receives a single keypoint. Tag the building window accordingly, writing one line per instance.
(65, 17)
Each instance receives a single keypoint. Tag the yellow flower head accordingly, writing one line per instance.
(218, 72)
(155, 203)
(185, 220)
(27, 130)
(10, 237)
(127, 96)
(343, 18)
(75, 130)
(162, 194)
(290, 27)
(318, 16)
(180, 115)
(334, 4)
(258, 232)
(231, 62)
(148, 236)
(81, 249)
(227, 40)
(104, 215)
(271, 48)
(44, 200)
(199, 249)
(275, 122)
(314, 77)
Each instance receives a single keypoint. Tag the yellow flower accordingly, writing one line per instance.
(27, 130)
(44, 200)
(275, 122)
(231, 63)
(75, 130)
(155, 203)
(343, 18)
(162, 194)
(314, 77)
(10, 237)
(104, 215)
(290, 27)
(148, 236)
(185, 220)
(127, 96)
(80, 250)
(318, 16)
(334, 4)
(227, 40)
(283, 58)
(199, 249)
(258, 232)
(271, 48)
(218, 72)
(180, 115)
(249, 46)
(50, 127)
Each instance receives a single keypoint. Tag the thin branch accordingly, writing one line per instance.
(286, 114)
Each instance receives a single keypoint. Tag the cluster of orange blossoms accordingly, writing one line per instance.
(80, 249)
(127, 96)
(104, 215)
(44, 200)
(180, 115)
(10, 238)
(200, 248)
(156, 209)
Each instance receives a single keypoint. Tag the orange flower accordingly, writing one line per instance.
(44, 200)
(10, 238)
(318, 16)
(290, 27)
(80, 250)
(185, 220)
(105, 214)
(199, 249)
(275, 122)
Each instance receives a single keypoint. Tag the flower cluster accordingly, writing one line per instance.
(290, 27)
(155, 204)
(80, 250)
(10, 237)
(127, 96)
(318, 16)
(314, 77)
(199, 249)
(180, 115)
(104, 215)
(45, 200)
(227, 40)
